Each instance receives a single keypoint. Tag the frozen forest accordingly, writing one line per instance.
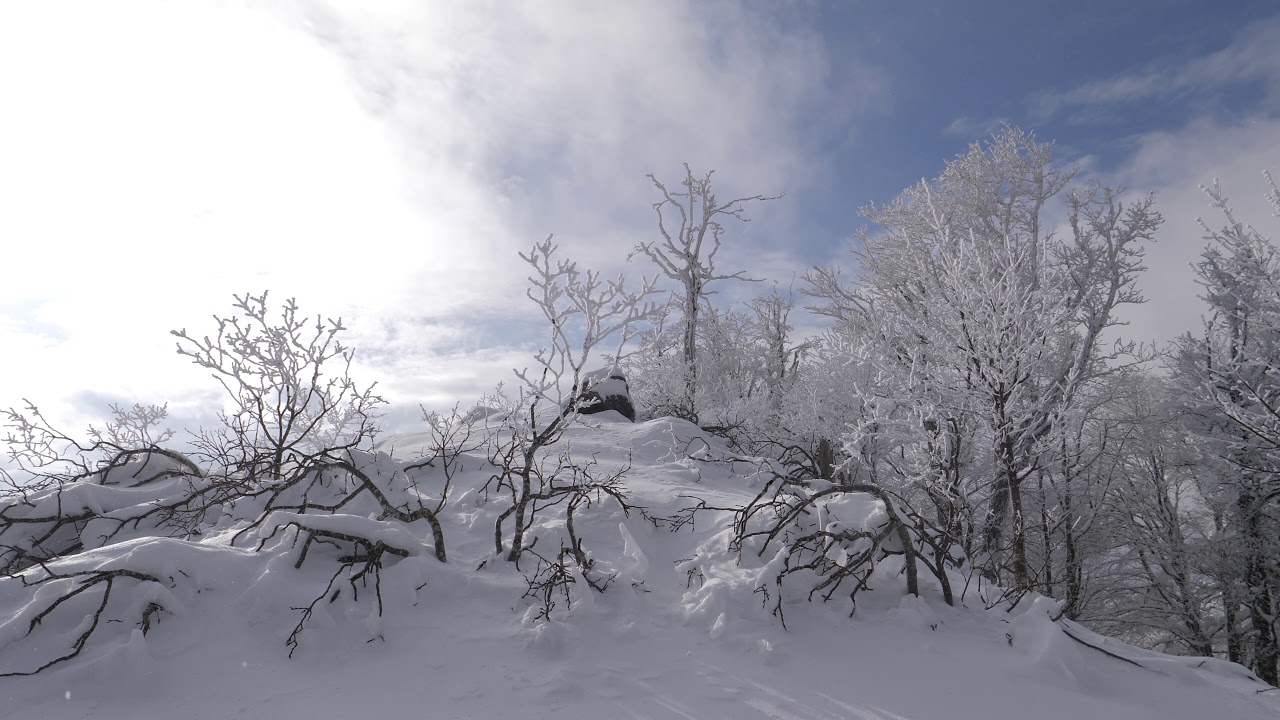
(970, 493)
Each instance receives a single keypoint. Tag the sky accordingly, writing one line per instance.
(385, 161)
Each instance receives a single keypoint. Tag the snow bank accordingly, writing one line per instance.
(685, 627)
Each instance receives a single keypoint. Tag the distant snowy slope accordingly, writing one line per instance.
(680, 631)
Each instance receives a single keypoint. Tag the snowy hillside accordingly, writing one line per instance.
(681, 630)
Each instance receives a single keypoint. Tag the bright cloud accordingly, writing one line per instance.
(159, 157)
(1173, 165)
(382, 161)
(1233, 143)
(385, 161)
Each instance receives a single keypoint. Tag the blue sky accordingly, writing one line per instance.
(953, 71)
(385, 160)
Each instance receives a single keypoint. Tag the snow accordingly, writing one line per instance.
(606, 382)
(679, 633)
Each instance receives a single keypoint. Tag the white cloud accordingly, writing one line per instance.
(1173, 164)
(159, 157)
(552, 113)
(1250, 58)
(974, 129)
(382, 161)
(562, 108)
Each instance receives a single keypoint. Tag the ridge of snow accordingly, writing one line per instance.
(679, 633)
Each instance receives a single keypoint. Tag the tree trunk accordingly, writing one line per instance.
(1230, 601)
(1021, 569)
(691, 351)
(1074, 565)
(1046, 534)
(1261, 603)
(1006, 503)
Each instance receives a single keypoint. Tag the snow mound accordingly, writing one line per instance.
(264, 610)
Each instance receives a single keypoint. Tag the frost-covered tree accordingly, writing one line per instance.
(290, 469)
(689, 222)
(981, 316)
(534, 475)
(1143, 556)
(747, 362)
(1231, 377)
(292, 402)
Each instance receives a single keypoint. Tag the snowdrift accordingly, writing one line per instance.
(148, 605)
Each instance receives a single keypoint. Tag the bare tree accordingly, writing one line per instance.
(291, 465)
(293, 402)
(76, 495)
(690, 224)
(583, 313)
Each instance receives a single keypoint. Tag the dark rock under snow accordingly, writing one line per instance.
(607, 390)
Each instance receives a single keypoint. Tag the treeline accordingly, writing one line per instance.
(974, 372)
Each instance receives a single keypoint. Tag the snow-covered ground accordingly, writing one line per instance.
(679, 633)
